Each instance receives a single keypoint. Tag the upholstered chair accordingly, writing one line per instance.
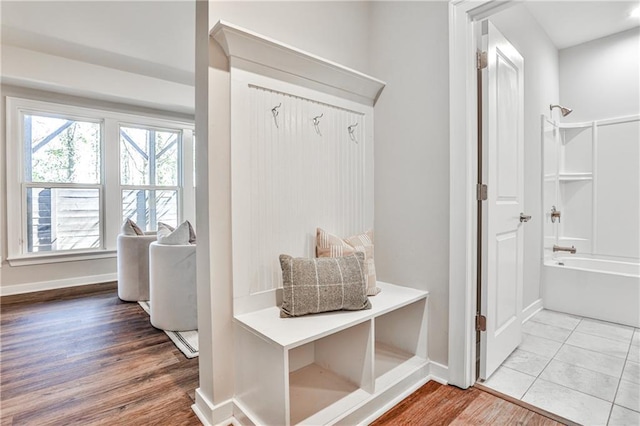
(172, 277)
(133, 266)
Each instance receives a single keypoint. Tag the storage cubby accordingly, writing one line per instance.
(400, 342)
(329, 370)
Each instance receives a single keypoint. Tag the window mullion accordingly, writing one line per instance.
(112, 206)
(152, 178)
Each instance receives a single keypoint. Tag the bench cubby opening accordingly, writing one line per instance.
(400, 342)
(328, 370)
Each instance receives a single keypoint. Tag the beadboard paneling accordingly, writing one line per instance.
(291, 176)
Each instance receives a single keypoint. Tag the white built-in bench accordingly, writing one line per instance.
(301, 157)
(331, 368)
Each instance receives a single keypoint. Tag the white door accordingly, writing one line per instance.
(502, 233)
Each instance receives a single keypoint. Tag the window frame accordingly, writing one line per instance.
(109, 186)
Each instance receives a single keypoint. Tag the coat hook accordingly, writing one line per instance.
(316, 123)
(275, 113)
(351, 130)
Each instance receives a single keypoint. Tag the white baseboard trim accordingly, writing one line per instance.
(210, 414)
(531, 310)
(10, 290)
(439, 373)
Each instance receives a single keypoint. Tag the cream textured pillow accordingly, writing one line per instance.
(329, 245)
(129, 227)
(183, 234)
(311, 286)
(164, 230)
(179, 236)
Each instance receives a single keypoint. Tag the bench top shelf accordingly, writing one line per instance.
(292, 332)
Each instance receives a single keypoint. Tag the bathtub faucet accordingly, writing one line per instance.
(571, 249)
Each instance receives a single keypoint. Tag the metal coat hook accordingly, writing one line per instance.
(351, 129)
(275, 113)
(316, 123)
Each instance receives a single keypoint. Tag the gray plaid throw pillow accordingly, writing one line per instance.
(324, 284)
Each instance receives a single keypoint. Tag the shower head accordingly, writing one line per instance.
(564, 111)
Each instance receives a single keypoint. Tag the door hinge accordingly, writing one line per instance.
(481, 323)
(482, 60)
(481, 192)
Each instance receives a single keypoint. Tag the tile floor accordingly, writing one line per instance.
(585, 370)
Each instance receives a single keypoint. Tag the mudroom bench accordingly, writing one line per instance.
(325, 368)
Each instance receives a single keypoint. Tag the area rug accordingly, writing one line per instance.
(186, 341)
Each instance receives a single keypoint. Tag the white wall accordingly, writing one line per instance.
(541, 87)
(600, 80)
(409, 50)
(337, 31)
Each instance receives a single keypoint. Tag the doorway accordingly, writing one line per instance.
(537, 318)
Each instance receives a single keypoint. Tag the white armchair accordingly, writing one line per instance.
(172, 277)
(133, 266)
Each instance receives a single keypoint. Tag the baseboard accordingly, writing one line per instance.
(531, 310)
(210, 414)
(56, 284)
(439, 373)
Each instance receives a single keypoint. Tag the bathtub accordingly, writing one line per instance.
(607, 290)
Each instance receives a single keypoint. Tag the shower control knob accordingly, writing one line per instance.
(524, 217)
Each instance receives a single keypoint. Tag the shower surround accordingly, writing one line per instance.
(591, 188)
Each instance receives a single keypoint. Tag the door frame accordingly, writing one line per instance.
(463, 155)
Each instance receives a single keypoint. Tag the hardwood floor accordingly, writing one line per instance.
(436, 404)
(83, 357)
(87, 360)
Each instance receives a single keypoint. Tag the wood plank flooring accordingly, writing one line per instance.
(436, 404)
(88, 360)
(83, 357)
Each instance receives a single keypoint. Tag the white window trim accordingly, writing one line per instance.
(111, 197)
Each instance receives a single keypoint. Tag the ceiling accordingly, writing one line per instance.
(154, 38)
(568, 23)
(157, 37)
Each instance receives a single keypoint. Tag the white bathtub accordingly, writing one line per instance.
(607, 290)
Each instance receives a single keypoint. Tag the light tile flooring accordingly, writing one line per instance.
(584, 370)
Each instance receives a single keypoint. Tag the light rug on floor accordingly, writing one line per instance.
(186, 341)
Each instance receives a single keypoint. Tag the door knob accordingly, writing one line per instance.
(524, 217)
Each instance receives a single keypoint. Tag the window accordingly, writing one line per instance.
(62, 183)
(74, 174)
(149, 171)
